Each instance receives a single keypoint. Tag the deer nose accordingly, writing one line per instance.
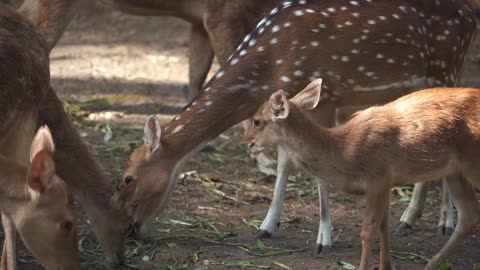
(127, 179)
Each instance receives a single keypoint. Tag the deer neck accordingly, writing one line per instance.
(73, 161)
(305, 141)
(13, 193)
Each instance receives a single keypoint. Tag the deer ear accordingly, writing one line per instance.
(42, 141)
(40, 173)
(309, 97)
(279, 105)
(152, 133)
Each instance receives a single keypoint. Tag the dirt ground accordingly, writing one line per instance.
(115, 70)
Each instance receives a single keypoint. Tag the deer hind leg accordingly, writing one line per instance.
(200, 60)
(415, 207)
(9, 254)
(378, 198)
(468, 210)
(272, 219)
(445, 224)
(324, 237)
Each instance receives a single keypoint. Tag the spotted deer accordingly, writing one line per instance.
(40, 206)
(389, 49)
(27, 102)
(419, 137)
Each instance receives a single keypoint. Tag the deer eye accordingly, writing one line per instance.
(256, 123)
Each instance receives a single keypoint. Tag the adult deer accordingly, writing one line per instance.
(28, 102)
(389, 48)
(40, 206)
(217, 27)
(422, 136)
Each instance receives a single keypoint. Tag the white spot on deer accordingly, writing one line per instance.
(350, 81)
(243, 52)
(356, 14)
(356, 40)
(219, 75)
(274, 41)
(178, 117)
(285, 79)
(382, 18)
(299, 13)
(366, 31)
(355, 3)
(396, 16)
(369, 74)
(355, 51)
(287, 3)
(360, 68)
(332, 37)
(363, 37)
(371, 22)
(234, 61)
(177, 129)
(322, 25)
(298, 73)
(391, 61)
(309, 10)
(261, 30)
(331, 9)
(287, 24)
(297, 63)
(343, 8)
(302, 2)
(208, 103)
(252, 42)
(316, 73)
(276, 28)
(207, 89)
(379, 56)
(345, 59)
(348, 23)
(314, 43)
(260, 48)
(335, 57)
(265, 87)
(274, 11)
(279, 61)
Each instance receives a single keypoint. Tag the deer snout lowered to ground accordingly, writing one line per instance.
(423, 136)
(41, 208)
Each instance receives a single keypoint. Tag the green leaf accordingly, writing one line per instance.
(346, 265)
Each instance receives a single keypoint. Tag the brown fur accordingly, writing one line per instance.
(240, 87)
(423, 136)
(24, 62)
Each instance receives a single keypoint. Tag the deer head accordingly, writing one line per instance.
(46, 221)
(262, 131)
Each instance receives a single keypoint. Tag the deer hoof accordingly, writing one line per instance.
(320, 249)
(262, 234)
(442, 230)
(402, 226)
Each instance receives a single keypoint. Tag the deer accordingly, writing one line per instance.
(389, 50)
(422, 136)
(40, 206)
(217, 29)
(28, 102)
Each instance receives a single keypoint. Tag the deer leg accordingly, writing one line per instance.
(324, 237)
(200, 59)
(445, 224)
(272, 219)
(385, 256)
(468, 211)
(9, 254)
(415, 207)
(378, 197)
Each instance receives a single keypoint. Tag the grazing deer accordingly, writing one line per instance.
(27, 102)
(389, 49)
(423, 136)
(40, 206)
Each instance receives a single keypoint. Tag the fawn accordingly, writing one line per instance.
(422, 136)
(41, 207)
